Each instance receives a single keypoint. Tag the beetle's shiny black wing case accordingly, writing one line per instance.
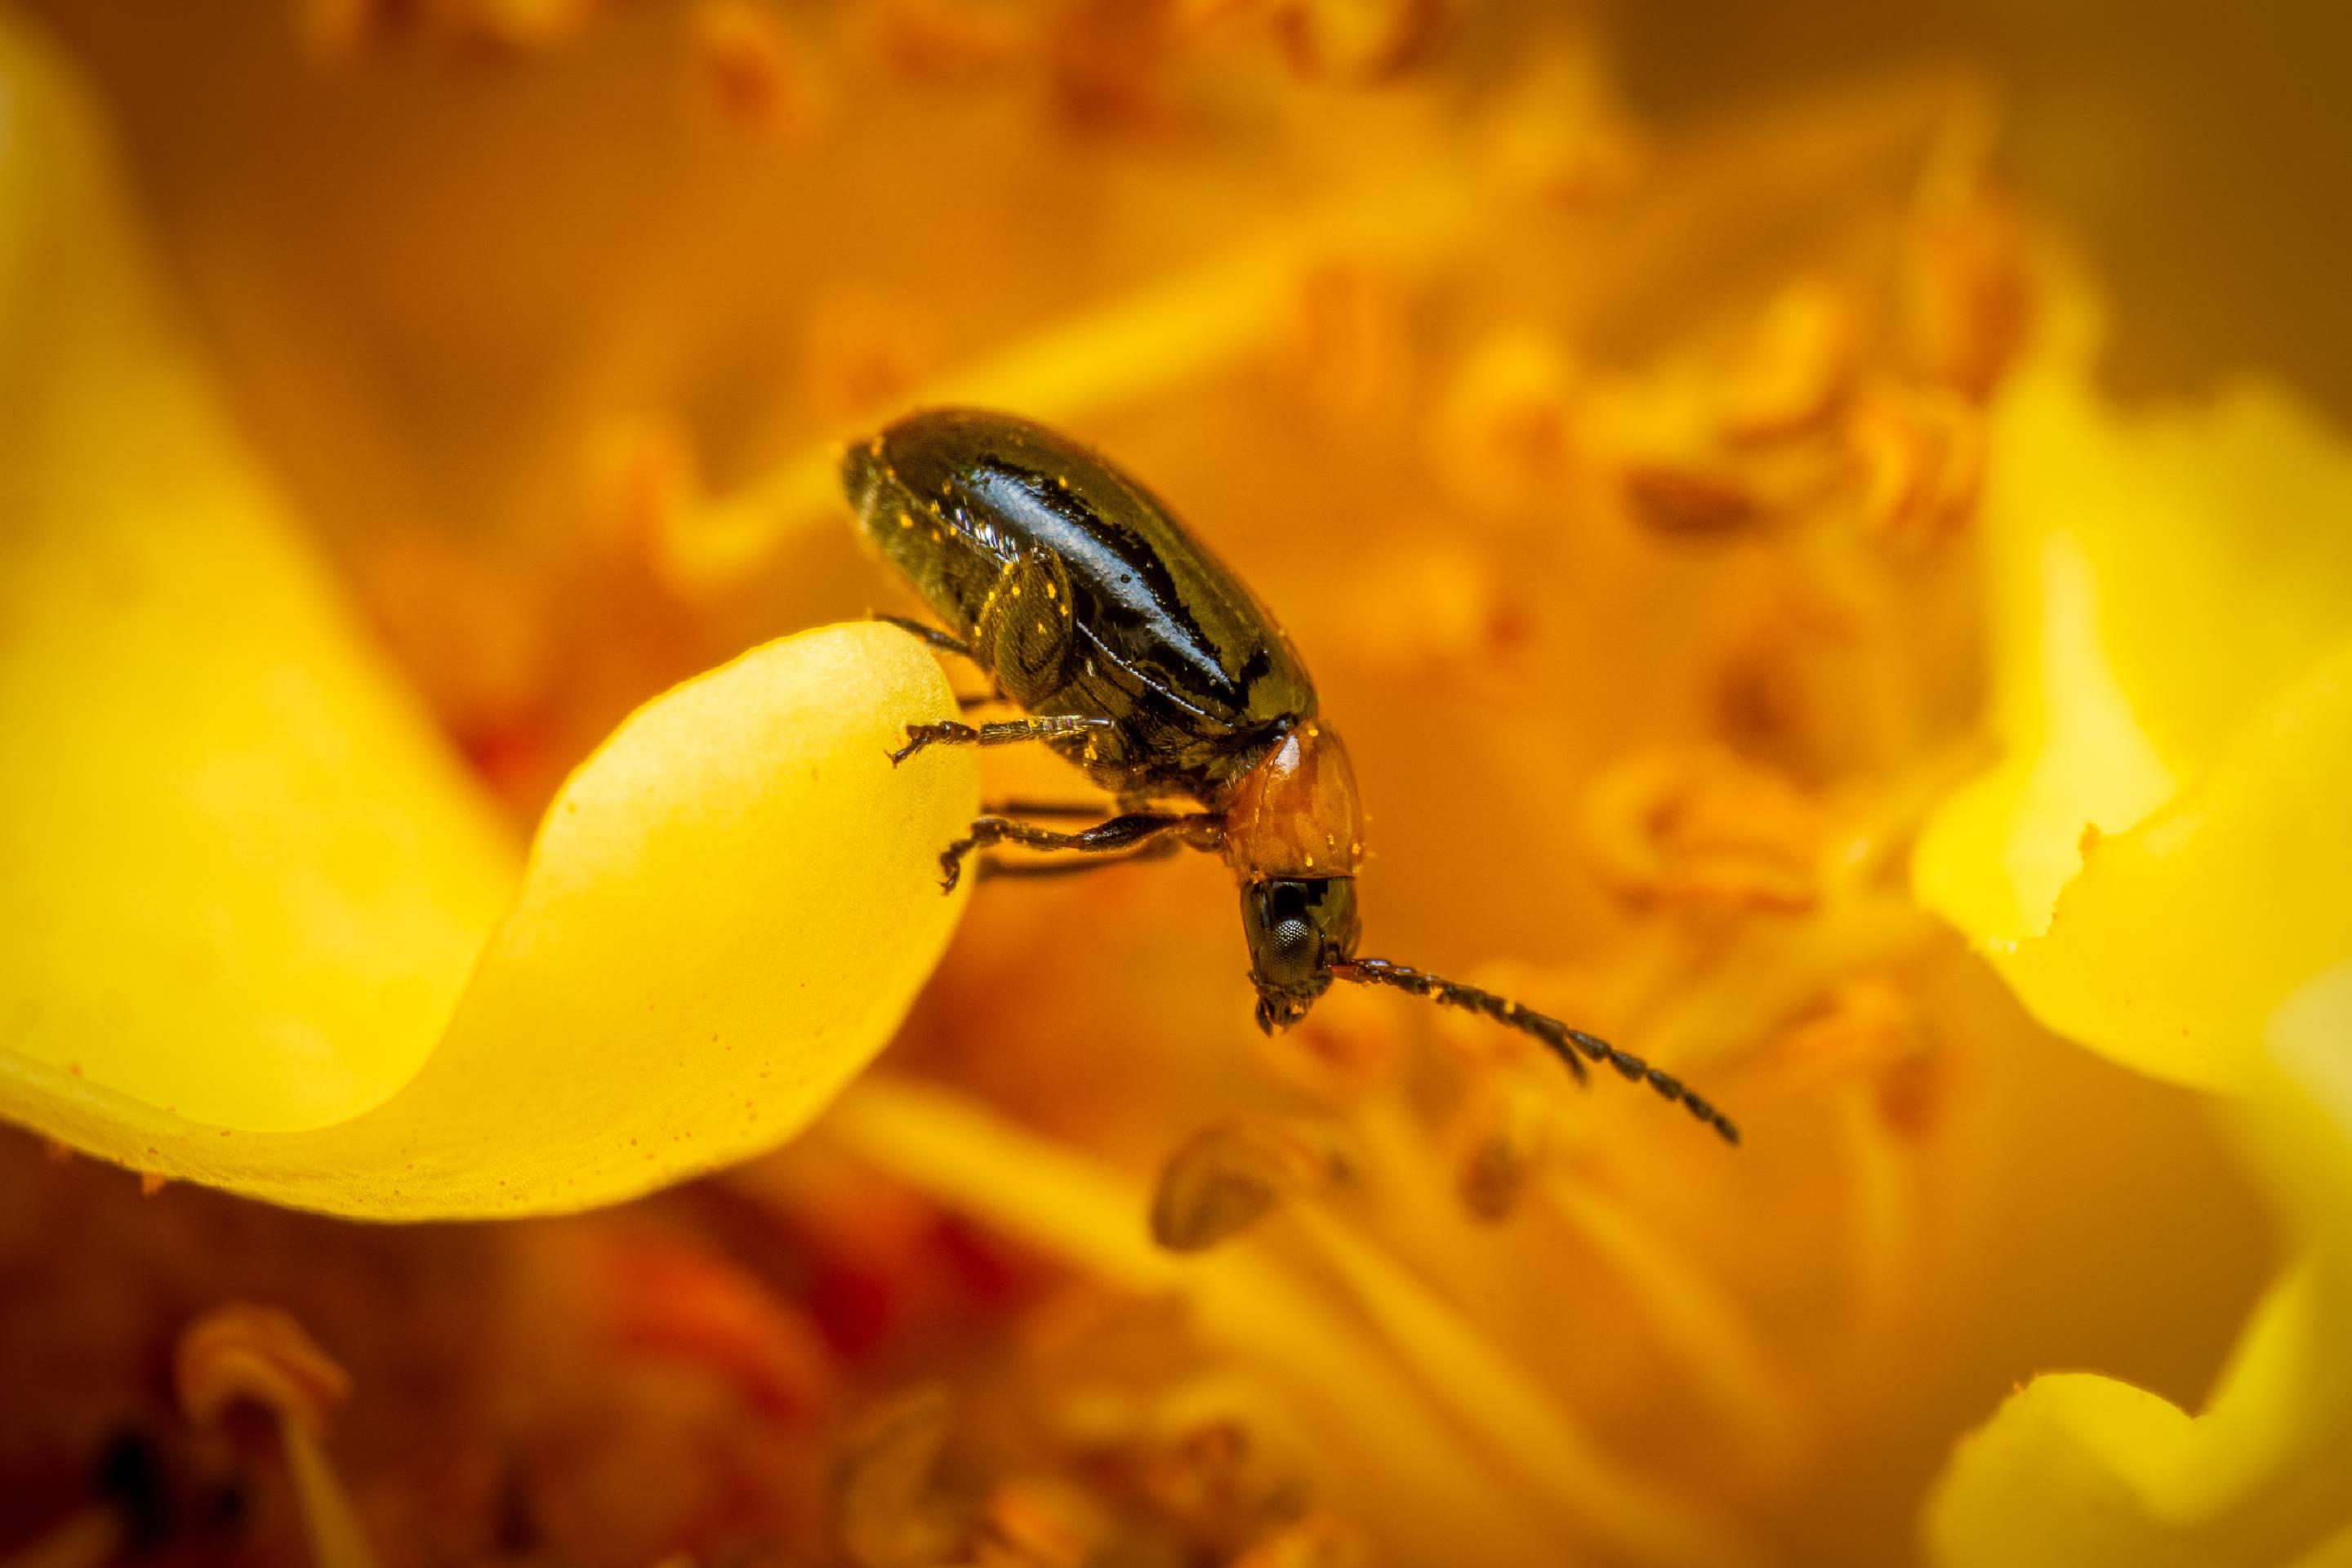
(1170, 643)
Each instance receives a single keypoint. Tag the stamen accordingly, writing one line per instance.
(1042, 1521)
(1390, 1448)
(240, 1352)
(92, 1538)
(1587, 1485)
(1315, 1541)
(1230, 1174)
(1176, 330)
(745, 65)
(1700, 828)
(1501, 438)
(1514, 1116)
(1569, 1045)
(1797, 368)
(1721, 1351)
(1882, 1222)
(881, 1498)
(1920, 451)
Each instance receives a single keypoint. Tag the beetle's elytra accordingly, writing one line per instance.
(1141, 657)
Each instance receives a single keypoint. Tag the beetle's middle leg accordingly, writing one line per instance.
(944, 642)
(1004, 732)
(1136, 830)
(990, 869)
(1090, 811)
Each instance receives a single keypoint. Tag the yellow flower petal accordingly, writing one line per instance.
(216, 815)
(728, 911)
(244, 883)
(2168, 593)
(2084, 1471)
(2179, 937)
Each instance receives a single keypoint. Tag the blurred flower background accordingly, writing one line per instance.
(1778, 497)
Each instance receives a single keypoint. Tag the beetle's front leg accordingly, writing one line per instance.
(1136, 830)
(1004, 733)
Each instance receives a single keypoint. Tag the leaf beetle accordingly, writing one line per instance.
(1139, 656)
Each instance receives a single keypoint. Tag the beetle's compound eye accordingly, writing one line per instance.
(1281, 938)
(1296, 928)
(1294, 946)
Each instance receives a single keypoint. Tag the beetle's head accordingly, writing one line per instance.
(1298, 929)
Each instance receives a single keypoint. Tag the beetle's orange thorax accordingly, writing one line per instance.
(1295, 815)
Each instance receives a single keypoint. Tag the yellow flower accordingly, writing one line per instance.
(1641, 494)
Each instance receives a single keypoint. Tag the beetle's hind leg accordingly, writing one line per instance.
(1005, 732)
(1135, 831)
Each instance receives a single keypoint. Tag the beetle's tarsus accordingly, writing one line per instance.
(921, 735)
(952, 861)
(1003, 733)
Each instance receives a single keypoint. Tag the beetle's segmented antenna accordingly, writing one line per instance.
(1571, 1046)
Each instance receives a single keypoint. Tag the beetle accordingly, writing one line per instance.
(1138, 656)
